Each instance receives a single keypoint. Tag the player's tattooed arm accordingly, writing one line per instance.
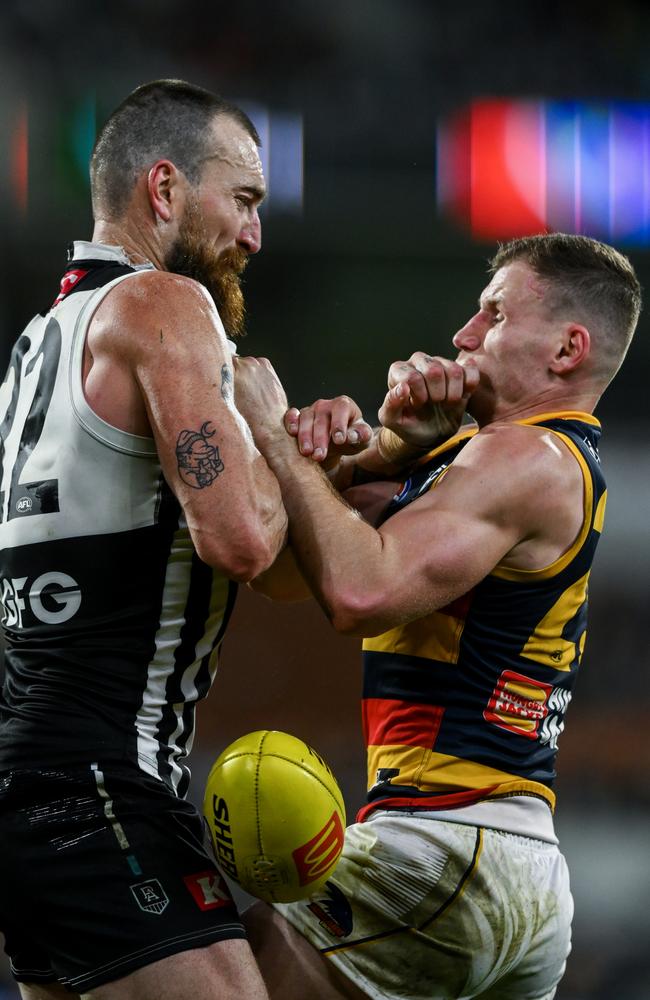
(198, 458)
(226, 382)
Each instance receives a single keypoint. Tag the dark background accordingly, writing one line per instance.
(366, 272)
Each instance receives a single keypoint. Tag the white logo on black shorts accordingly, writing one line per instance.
(150, 896)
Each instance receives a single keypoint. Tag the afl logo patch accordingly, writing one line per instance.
(24, 505)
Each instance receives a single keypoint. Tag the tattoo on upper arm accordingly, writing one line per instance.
(198, 460)
(226, 382)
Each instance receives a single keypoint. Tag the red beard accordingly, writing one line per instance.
(195, 257)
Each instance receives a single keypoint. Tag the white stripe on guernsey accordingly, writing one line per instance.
(118, 830)
(190, 693)
(218, 603)
(168, 639)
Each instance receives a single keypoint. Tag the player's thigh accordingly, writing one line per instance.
(33, 991)
(293, 969)
(222, 971)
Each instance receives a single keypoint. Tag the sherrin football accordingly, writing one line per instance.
(276, 816)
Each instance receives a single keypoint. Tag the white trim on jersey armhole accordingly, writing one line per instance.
(101, 430)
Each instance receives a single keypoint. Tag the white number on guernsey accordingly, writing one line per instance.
(18, 443)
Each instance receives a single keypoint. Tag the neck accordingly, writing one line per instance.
(139, 248)
(582, 401)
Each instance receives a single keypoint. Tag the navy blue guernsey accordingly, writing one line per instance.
(467, 704)
(112, 623)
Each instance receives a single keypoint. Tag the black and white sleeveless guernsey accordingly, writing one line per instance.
(112, 623)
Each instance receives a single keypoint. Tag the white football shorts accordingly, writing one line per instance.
(421, 909)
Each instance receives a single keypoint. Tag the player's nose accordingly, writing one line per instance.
(250, 237)
(468, 337)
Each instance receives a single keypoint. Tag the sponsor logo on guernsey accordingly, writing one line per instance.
(52, 598)
(150, 896)
(316, 856)
(333, 911)
(222, 837)
(24, 504)
(518, 704)
(208, 890)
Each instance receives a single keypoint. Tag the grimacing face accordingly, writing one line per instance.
(508, 340)
(220, 227)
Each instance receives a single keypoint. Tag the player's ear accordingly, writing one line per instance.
(163, 188)
(572, 350)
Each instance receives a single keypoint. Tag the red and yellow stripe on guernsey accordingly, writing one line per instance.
(456, 782)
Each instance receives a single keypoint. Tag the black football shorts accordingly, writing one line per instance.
(102, 871)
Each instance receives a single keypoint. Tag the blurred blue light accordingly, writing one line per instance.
(281, 154)
(286, 166)
(562, 173)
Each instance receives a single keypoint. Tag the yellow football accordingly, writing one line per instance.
(276, 816)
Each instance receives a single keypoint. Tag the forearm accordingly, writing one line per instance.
(283, 581)
(340, 556)
(262, 502)
(238, 523)
(259, 500)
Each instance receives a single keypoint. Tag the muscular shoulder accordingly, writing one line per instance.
(156, 292)
(517, 473)
(531, 477)
(524, 456)
(151, 309)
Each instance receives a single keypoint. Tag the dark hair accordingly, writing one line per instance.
(164, 119)
(588, 279)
